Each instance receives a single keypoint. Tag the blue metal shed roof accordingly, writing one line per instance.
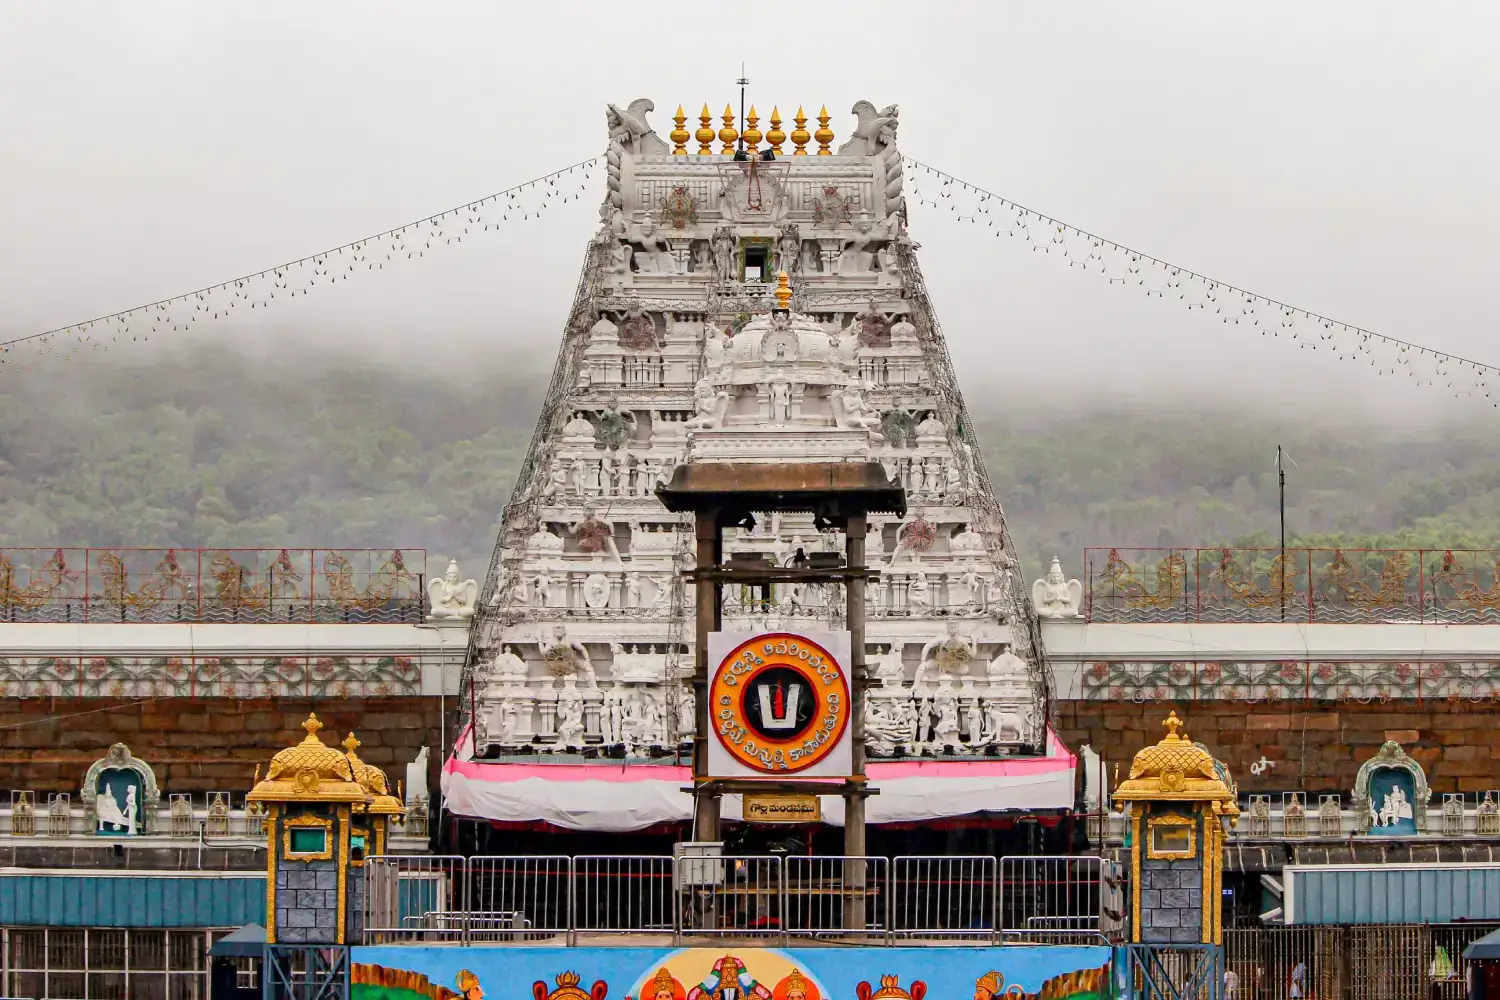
(136, 899)
(1391, 894)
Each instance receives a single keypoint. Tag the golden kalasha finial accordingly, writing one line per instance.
(824, 134)
(776, 137)
(752, 134)
(705, 133)
(783, 292)
(680, 135)
(800, 135)
(351, 744)
(312, 725)
(728, 133)
(1173, 724)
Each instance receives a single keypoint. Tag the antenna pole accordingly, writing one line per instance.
(1281, 485)
(744, 82)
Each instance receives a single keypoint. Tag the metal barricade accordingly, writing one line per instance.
(837, 897)
(618, 894)
(1051, 893)
(414, 898)
(721, 896)
(952, 898)
(520, 899)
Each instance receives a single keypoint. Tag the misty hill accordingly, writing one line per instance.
(216, 449)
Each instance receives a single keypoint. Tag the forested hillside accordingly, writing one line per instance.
(213, 449)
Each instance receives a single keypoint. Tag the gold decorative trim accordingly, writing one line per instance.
(1135, 875)
(270, 821)
(1171, 822)
(303, 822)
(343, 873)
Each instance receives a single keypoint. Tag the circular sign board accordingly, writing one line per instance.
(779, 703)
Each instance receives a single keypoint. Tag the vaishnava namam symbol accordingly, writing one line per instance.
(778, 705)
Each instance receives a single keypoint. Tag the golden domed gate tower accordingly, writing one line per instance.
(1181, 804)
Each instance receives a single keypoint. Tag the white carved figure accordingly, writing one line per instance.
(1395, 808)
(541, 590)
(566, 657)
(851, 410)
(662, 600)
(687, 720)
(451, 597)
(856, 257)
(544, 542)
(596, 591)
(713, 346)
(507, 668)
(781, 401)
(633, 591)
(570, 719)
(629, 129)
(111, 812)
(947, 655)
(1056, 596)
(889, 669)
(708, 406)
(970, 589)
(557, 480)
(973, 712)
(945, 731)
(967, 542)
(1095, 781)
(609, 713)
(1005, 667)
(953, 485)
(875, 130)
(931, 430)
(655, 255)
(509, 718)
(593, 534)
(919, 593)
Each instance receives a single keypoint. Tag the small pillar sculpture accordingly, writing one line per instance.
(310, 793)
(1182, 805)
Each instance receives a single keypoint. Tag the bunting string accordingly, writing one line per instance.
(285, 282)
(970, 204)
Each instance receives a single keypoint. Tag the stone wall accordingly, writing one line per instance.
(204, 744)
(1171, 901)
(1311, 746)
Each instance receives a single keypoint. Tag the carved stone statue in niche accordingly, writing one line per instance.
(850, 408)
(638, 331)
(949, 654)
(781, 400)
(714, 346)
(570, 719)
(567, 658)
(874, 329)
(594, 534)
(708, 404)
(788, 250)
(655, 253)
(703, 257)
(856, 257)
(809, 262)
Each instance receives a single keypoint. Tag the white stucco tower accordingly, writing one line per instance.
(673, 354)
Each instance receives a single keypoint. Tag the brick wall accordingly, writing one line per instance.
(1312, 747)
(203, 744)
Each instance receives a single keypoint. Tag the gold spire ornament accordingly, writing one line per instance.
(800, 135)
(783, 292)
(776, 137)
(751, 135)
(680, 135)
(824, 134)
(728, 133)
(705, 133)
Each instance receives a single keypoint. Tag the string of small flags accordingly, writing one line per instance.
(1309, 330)
(299, 277)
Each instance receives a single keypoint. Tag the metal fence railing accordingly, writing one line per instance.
(876, 900)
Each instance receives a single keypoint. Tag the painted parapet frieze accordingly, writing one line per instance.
(687, 346)
(1363, 682)
(209, 676)
(737, 973)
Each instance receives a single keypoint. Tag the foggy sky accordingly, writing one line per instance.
(1337, 155)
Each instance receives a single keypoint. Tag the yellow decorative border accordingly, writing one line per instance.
(270, 829)
(1170, 820)
(1135, 874)
(343, 872)
(302, 822)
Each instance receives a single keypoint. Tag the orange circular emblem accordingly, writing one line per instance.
(779, 703)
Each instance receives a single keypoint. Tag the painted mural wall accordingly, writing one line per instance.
(730, 973)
